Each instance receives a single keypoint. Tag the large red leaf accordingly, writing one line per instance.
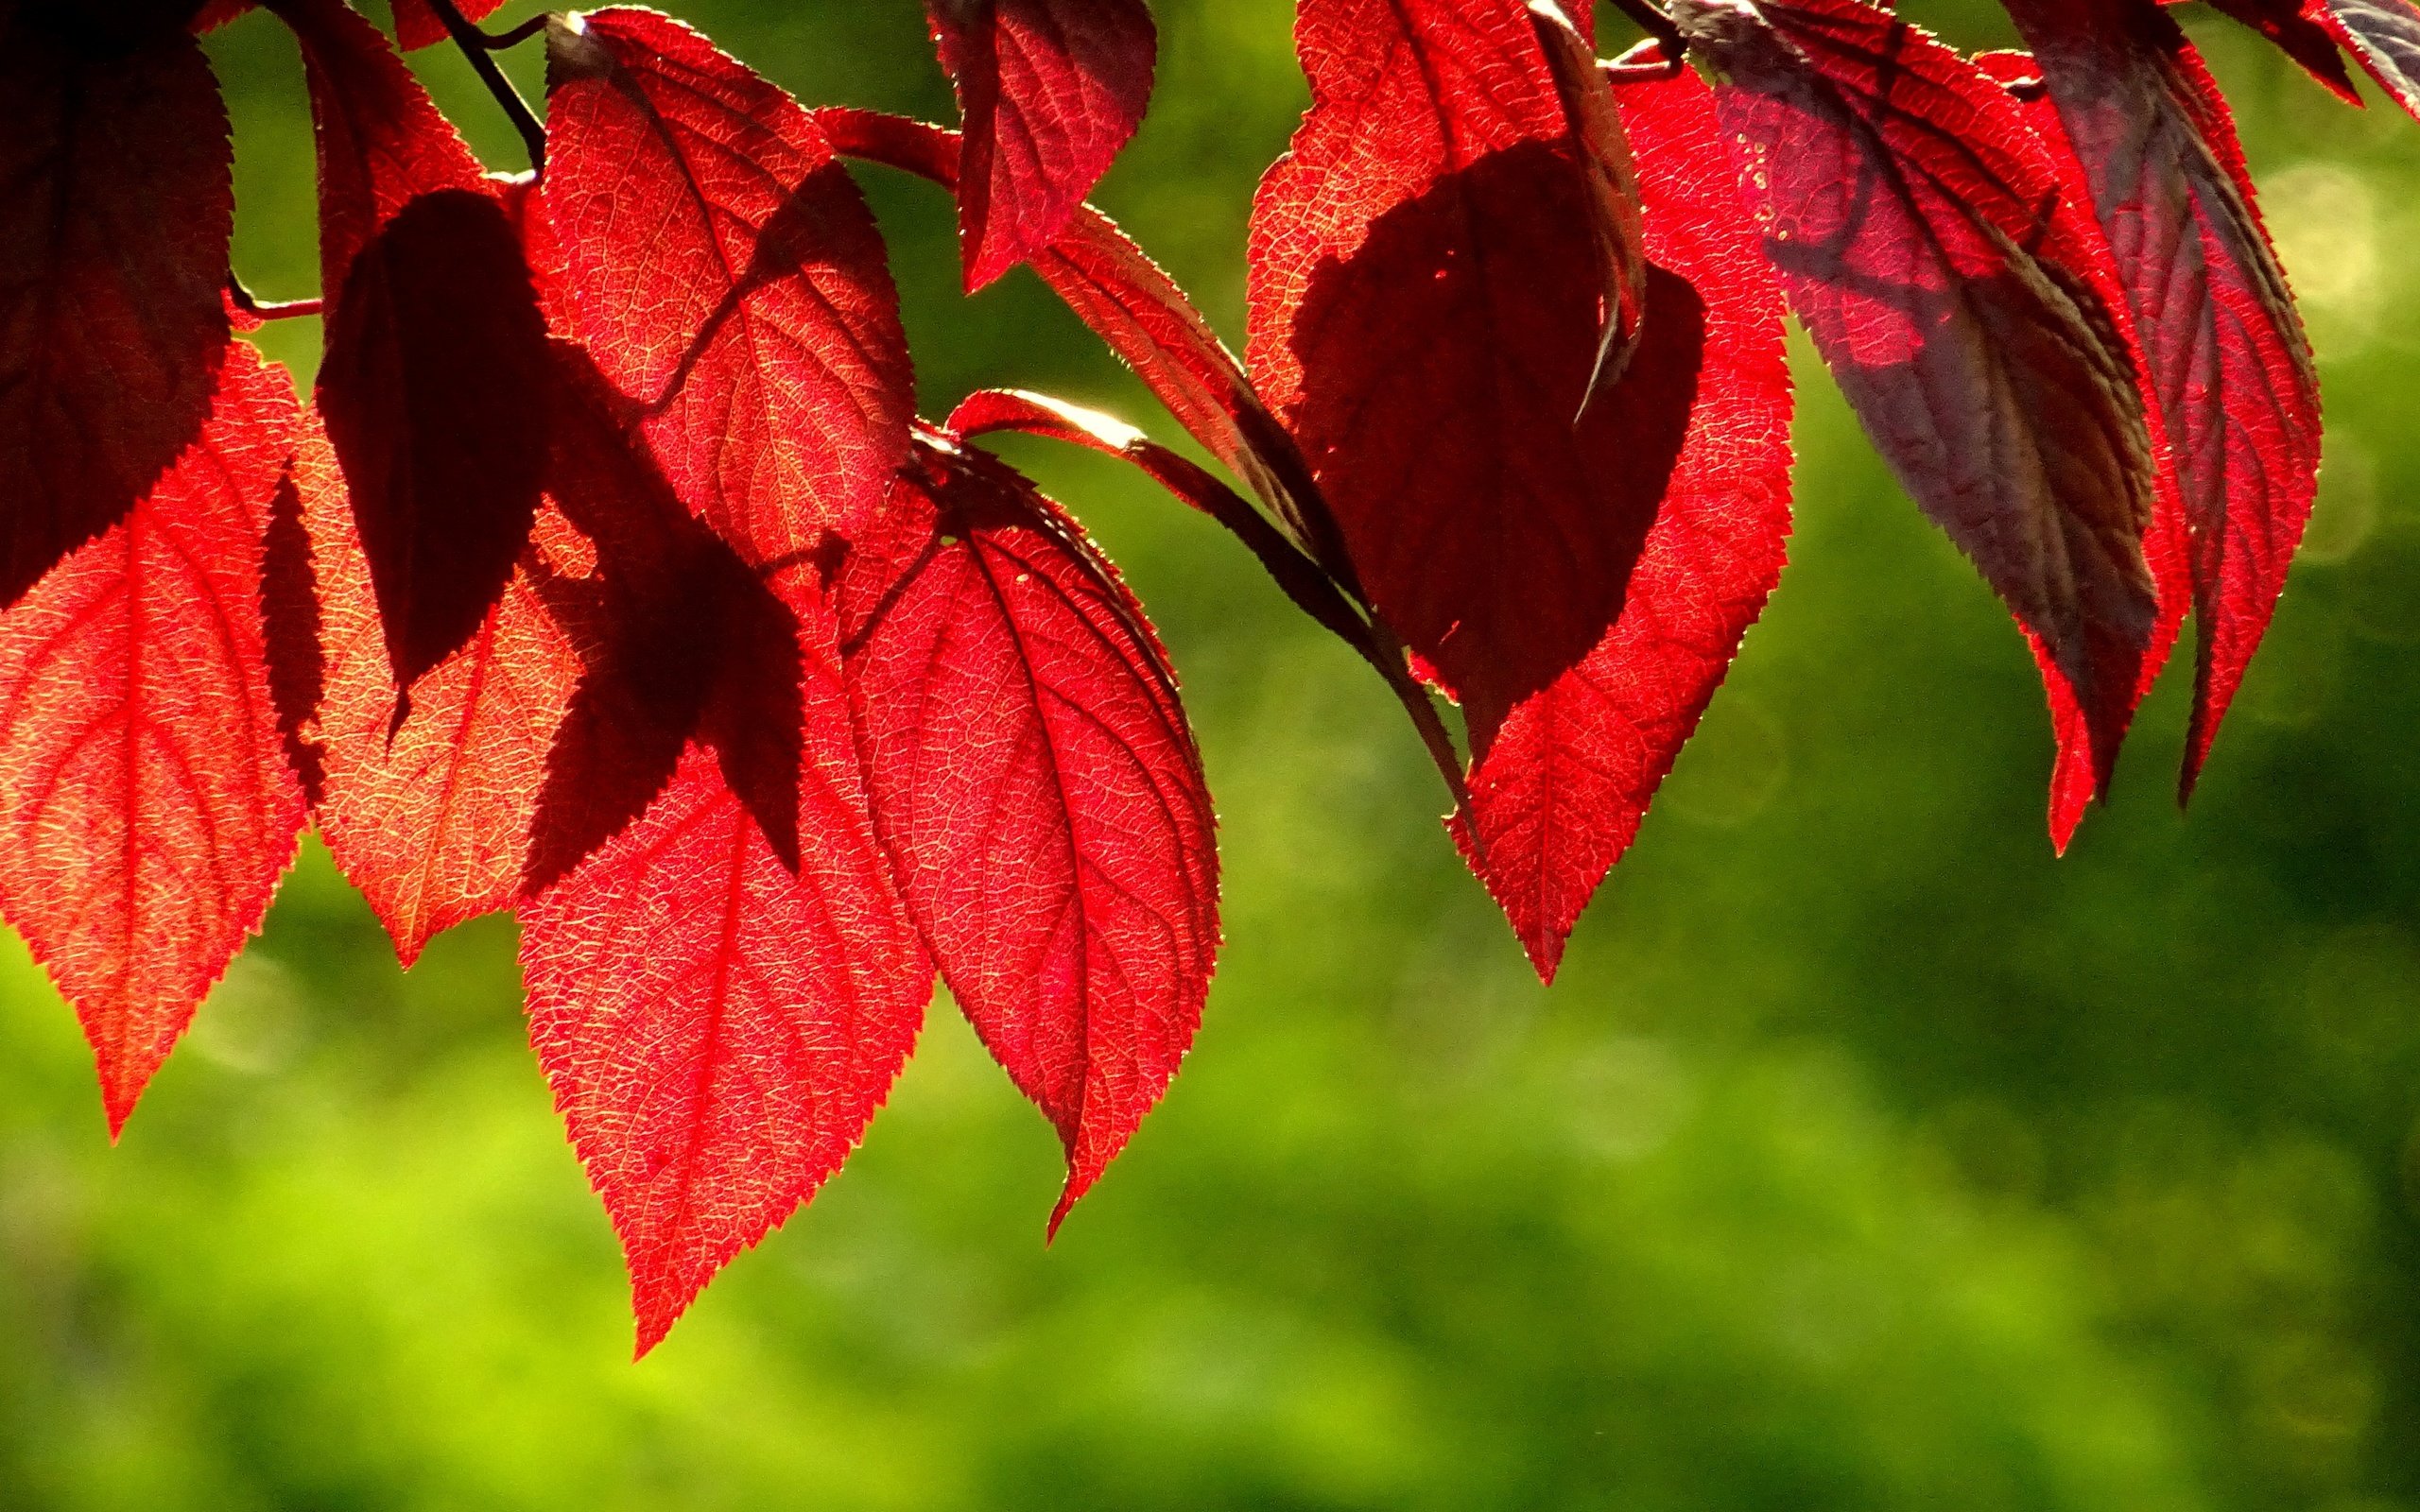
(727, 276)
(146, 808)
(1559, 792)
(1964, 302)
(435, 385)
(1050, 91)
(1135, 307)
(1038, 790)
(2223, 347)
(429, 816)
(716, 1028)
(115, 205)
(1426, 297)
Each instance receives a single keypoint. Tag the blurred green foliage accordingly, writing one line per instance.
(1865, 1156)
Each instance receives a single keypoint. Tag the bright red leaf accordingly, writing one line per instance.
(1425, 302)
(114, 228)
(717, 1029)
(435, 385)
(1925, 236)
(1559, 792)
(1038, 790)
(1050, 91)
(2223, 347)
(727, 276)
(145, 801)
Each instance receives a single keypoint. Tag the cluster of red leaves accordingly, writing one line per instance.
(609, 575)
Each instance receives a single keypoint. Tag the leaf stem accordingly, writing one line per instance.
(1651, 20)
(1386, 653)
(251, 304)
(479, 47)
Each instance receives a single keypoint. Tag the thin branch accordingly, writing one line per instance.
(251, 304)
(1386, 653)
(479, 47)
(1651, 20)
(497, 42)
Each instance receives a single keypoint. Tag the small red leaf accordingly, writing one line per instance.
(1037, 788)
(429, 816)
(719, 1030)
(1427, 296)
(416, 24)
(1050, 91)
(1559, 790)
(2223, 347)
(146, 809)
(2298, 36)
(727, 275)
(115, 223)
(1926, 238)
(2384, 35)
(1143, 317)
(435, 385)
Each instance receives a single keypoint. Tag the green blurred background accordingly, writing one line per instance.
(1866, 1157)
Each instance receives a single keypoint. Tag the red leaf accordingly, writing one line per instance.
(1560, 791)
(727, 275)
(719, 1030)
(417, 25)
(2384, 35)
(1143, 317)
(1050, 90)
(146, 806)
(2299, 37)
(1038, 790)
(429, 816)
(1925, 236)
(2223, 349)
(115, 221)
(434, 387)
(1425, 302)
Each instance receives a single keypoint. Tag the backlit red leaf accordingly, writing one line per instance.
(1926, 237)
(146, 808)
(1038, 790)
(431, 815)
(115, 205)
(2223, 347)
(435, 385)
(727, 276)
(1425, 304)
(1143, 317)
(1559, 790)
(717, 1029)
(1050, 90)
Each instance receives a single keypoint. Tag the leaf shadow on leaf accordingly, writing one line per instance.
(680, 640)
(2002, 396)
(292, 628)
(796, 238)
(437, 389)
(1446, 362)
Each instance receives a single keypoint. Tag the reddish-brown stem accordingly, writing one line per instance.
(252, 305)
(1653, 21)
(1383, 651)
(477, 48)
